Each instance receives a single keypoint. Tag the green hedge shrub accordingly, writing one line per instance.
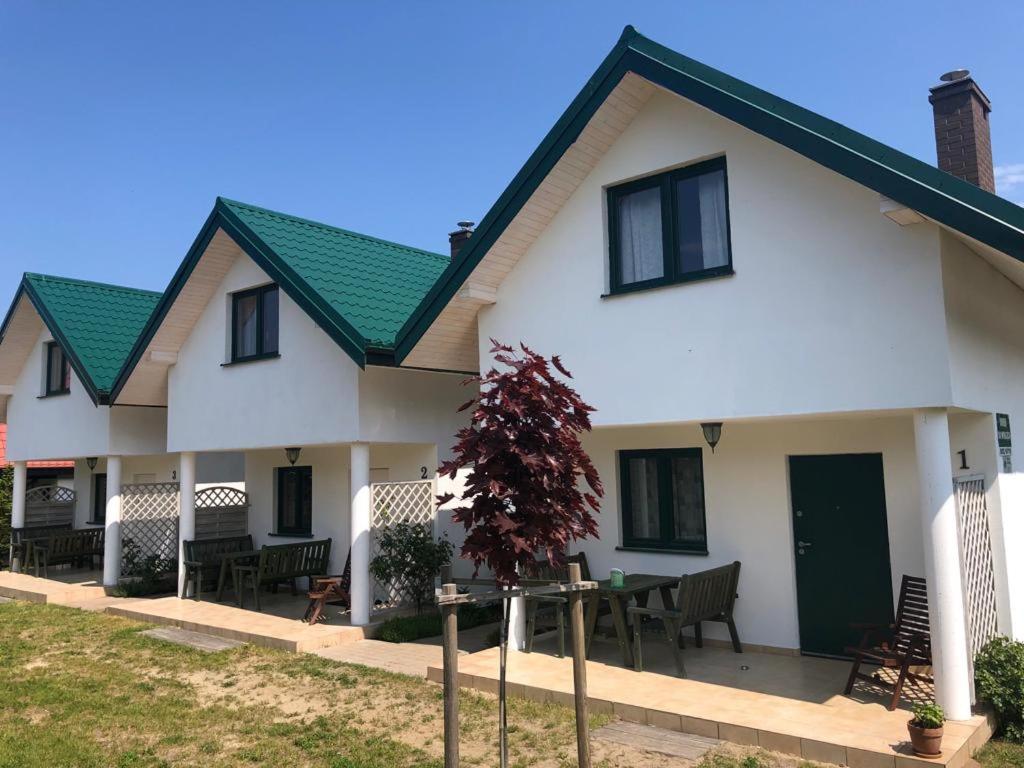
(406, 629)
(999, 680)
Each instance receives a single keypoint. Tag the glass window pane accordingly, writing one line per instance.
(643, 497)
(688, 500)
(99, 498)
(701, 222)
(640, 241)
(269, 321)
(245, 325)
(57, 370)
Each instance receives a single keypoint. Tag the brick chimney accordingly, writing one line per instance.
(458, 238)
(962, 138)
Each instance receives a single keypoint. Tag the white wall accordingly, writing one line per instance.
(412, 406)
(829, 303)
(57, 427)
(985, 312)
(748, 509)
(307, 396)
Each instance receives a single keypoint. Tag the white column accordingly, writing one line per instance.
(18, 488)
(112, 533)
(186, 510)
(517, 624)
(359, 515)
(942, 563)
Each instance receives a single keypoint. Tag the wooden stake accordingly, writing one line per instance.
(579, 669)
(450, 653)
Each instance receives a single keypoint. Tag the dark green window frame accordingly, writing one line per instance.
(304, 476)
(671, 273)
(98, 514)
(65, 379)
(666, 541)
(262, 350)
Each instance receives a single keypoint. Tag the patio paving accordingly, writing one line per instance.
(785, 703)
(64, 585)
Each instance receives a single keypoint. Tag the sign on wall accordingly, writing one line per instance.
(1003, 439)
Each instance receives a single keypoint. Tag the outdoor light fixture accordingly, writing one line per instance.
(292, 454)
(712, 433)
(91, 461)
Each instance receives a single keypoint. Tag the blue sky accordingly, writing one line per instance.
(120, 122)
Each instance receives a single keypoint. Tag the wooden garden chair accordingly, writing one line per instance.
(904, 646)
(541, 605)
(705, 596)
(329, 589)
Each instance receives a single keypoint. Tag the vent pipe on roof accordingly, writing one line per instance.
(458, 238)
(963, 142)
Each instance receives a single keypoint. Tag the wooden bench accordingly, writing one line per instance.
(21, 541)
(281, 563)
(705, 596)
(203, 558)
(67, 547)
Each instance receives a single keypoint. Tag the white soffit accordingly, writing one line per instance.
(22, 334)
(451, 342)
(147, 384)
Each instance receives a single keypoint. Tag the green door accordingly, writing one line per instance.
(841, 542)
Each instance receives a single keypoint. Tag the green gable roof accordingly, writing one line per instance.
(96, 324)
(360, 290)
(374, 284)
(950, 201)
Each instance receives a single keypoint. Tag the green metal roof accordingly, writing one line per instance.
(360, 290)
(374, 284)
(950, 201)
(96, 324)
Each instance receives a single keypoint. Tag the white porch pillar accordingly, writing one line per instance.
(19, 486)
(942, 563)
(112, 533)
(359, 516)
(186, 510)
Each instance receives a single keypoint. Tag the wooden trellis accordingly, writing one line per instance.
(149, 519)
(221, 510)
(49, 505)
(393, 503)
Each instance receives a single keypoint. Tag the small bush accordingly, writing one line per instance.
(999, 680)
(411, 558)
(928, 715)
(406, 629)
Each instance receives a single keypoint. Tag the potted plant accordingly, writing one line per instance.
(926, 730)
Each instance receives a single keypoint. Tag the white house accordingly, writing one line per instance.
(277, 333)
(801, 345)
(701, 252)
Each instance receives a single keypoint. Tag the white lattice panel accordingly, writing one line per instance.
(392, 503)
(149, 518)
(976, 561)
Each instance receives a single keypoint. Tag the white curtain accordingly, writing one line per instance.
(640, 236)
(643, 493)
(713, 231)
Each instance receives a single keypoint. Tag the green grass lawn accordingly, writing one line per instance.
(1001, 754)
(87, 690)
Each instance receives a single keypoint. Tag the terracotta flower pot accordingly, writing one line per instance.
(927, 742)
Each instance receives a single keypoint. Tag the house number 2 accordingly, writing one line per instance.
(423, 473)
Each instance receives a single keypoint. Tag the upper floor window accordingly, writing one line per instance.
(663, 499)
(58, 370)
(670, 228)
(254, 323)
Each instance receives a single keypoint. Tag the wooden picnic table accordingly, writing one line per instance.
(227, 567)
(636, 586)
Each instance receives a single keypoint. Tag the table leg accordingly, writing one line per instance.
(621, 632)
(668, 602)
(221, 579)
(593, 604)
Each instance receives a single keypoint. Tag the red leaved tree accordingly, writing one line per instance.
(523, 494)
